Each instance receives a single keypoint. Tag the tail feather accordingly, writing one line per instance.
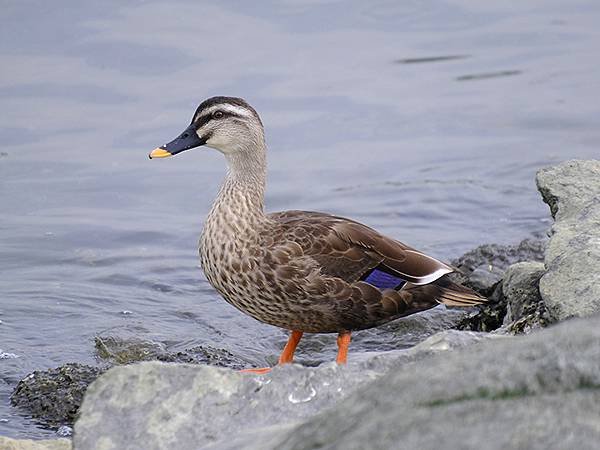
(452, 294)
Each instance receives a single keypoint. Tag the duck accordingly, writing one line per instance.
(303, 271)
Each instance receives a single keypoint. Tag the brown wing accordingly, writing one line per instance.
(347, 249)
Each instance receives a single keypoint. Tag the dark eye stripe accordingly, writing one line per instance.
(204, 119)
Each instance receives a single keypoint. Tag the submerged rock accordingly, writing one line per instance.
(527, 392)
(156, 406)
(53, 396)
(204, 354)
(571, 286)
(117, 350)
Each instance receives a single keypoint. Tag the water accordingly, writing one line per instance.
(426, 120)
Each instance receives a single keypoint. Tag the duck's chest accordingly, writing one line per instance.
(230, 252)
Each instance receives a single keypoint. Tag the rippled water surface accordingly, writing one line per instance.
(426, 120)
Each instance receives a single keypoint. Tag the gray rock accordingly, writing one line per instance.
(526, 311)
(530, 392)
(571, 286)
(484, 277)
(53, 396)
(29, 444)
(153, 405)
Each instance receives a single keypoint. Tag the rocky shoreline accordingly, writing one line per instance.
(462, 387)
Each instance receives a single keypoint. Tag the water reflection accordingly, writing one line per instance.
(431, 59)
(485, 76)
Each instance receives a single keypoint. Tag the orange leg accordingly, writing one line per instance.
(287, 355)
(343, 342)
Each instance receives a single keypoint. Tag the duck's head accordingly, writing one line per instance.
(228, 124)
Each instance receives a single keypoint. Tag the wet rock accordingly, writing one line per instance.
(28, 444)
(571, 286)
(515, 306)
(487, 317)
(153, 405)
(203, 354)
(53, 396)
(530, 392)
(483, 267)
(526, 311)
(116, 350)
(483, 270)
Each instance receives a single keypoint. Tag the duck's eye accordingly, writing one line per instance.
(217, 114)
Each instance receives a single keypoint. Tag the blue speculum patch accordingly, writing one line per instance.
(384, 280)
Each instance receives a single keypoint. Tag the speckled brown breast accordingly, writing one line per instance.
(242, 264)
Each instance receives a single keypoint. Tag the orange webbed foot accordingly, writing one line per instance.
(257, 371)
(287, 356)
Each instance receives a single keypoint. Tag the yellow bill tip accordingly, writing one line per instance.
(159, 153)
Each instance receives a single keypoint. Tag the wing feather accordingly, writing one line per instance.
(348, 249)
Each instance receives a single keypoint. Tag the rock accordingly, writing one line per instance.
(484, 266)
(526, 311)
(482, 269)
(117, 350)
(53, 396)
(487, 317)
(153, 405)
(485, 277)
(571, 286)
(205, 354)
(531, 392)
(515, 306)
(28, 444)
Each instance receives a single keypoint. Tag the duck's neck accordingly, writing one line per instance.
(242, 195)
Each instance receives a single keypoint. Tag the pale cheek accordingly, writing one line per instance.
(219, 142)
